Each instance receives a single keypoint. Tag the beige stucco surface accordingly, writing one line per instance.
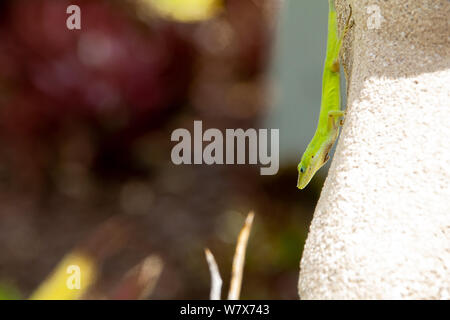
(381, 229)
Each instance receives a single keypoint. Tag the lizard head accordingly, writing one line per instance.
(310, 163)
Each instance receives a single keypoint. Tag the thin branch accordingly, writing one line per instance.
(216, 279)
(239, 259)
(139, 282)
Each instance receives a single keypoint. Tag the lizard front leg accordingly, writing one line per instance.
(333, 116)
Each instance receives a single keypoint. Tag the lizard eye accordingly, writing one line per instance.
(302, 170)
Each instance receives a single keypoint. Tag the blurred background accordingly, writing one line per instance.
(85, 123)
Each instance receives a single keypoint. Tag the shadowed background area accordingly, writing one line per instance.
(85, 123)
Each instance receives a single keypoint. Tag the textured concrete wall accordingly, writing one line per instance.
(381, 229)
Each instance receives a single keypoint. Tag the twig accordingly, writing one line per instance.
(239, 259)
(139, 282)
(216, 279)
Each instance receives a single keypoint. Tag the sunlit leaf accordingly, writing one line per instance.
(185, 10)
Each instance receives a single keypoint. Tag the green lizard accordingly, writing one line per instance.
(331, 116)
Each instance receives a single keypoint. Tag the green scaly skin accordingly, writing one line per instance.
(331, 115)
